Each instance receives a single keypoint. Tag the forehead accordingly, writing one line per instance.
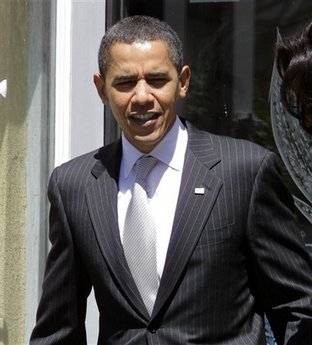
(142, 52)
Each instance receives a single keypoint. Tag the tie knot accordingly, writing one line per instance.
(144, 166)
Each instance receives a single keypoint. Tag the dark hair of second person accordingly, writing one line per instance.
(294, 64)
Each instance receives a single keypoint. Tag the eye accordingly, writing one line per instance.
(157, 82)
(124, 85)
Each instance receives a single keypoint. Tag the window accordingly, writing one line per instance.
(230, 48)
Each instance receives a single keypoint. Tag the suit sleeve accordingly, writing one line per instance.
(280, 267)
(66, 286)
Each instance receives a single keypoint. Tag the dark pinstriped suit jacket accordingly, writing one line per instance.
(235, 252)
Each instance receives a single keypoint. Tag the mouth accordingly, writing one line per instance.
(144, 118)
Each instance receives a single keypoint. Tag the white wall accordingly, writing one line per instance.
(79, 111)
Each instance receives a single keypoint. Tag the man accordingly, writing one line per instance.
(227, 247)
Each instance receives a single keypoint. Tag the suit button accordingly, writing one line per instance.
(153, 331)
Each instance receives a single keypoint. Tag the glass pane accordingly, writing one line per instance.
(230, 48)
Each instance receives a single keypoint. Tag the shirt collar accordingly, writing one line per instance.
(170, 150)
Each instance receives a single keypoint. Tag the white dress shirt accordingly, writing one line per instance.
(163, 184)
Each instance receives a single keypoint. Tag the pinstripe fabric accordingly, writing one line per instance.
(234, 253)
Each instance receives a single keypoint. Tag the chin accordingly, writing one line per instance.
(146, 145)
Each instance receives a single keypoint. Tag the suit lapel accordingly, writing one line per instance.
(102, 204)
(192, 211)
(193, 208)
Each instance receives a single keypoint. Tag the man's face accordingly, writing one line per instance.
(142, 87)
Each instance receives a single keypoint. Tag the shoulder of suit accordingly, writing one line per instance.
(84, 159)
(221, 141)
(83, 164)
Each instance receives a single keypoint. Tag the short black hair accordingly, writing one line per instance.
(140, 29)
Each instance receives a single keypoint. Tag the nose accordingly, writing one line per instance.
(142, 93)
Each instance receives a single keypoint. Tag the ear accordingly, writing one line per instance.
(185, 77)
(100, 86)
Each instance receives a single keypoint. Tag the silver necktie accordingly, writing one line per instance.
(139, 239)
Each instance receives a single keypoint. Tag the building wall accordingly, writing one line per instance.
(28, 59)
(13, 110)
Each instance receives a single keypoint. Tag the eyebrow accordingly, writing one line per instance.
(153, 75)
(157, 75)
(124, 78)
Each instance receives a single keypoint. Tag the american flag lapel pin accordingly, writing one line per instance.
(199, 190)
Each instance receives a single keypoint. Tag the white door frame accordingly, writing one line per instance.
(78, 110)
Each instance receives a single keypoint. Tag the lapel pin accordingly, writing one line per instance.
(199, 190)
